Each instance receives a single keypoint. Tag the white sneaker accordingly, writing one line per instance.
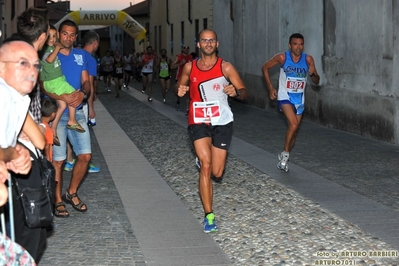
(283, 163)
(109, 89)
(164, 100)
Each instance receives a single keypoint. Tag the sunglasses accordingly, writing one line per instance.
(186, 47)
(208, 41)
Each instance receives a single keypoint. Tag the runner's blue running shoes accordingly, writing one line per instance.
(209, 223)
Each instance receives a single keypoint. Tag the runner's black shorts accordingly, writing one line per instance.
(165, 78)
(107, 73)
(146, 73)
(220, 135)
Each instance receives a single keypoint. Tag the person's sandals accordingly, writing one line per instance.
(60, 210)
(56, 141)
(79, 206)
(77, 127)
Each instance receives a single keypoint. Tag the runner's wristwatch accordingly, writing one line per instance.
(237, 93)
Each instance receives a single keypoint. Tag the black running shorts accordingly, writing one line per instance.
(221, 135)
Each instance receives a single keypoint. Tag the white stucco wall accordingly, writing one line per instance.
(354, 47)
(178, 13)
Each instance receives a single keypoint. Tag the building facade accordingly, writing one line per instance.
(355, 51)
(9, 11)
(177, 22)
(353, 44)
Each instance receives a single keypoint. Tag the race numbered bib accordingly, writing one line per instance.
(119, 70)
(295, 85)
(164, 67)
(206, 112)
(148, 67)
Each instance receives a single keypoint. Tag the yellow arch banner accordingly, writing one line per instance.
(119, 18)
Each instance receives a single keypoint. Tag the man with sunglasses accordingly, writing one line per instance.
(210, 120)
(179, 62)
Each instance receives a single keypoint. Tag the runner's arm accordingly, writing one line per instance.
(275, 60)
(182, 88)
(236, 83)
(312, 70)
(175, 64)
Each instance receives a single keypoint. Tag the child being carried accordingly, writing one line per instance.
(55, 82)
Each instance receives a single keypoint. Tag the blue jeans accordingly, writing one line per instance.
(81, 142)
